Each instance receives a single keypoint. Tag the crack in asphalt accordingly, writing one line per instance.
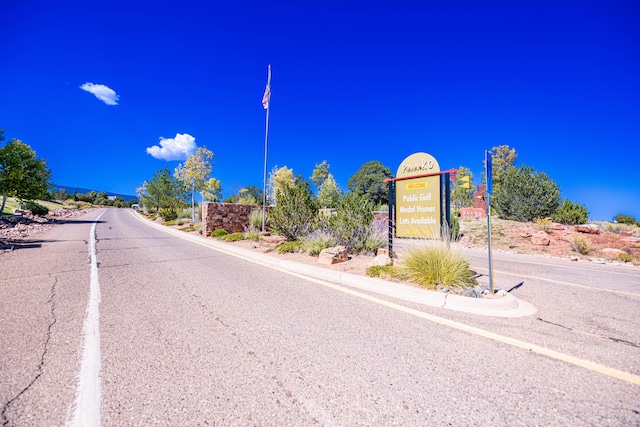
(604, 337)
(51, 302)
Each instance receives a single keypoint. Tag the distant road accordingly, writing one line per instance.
(187, 335)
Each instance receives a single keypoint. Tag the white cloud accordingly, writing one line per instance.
(178, 148)
(102, 92)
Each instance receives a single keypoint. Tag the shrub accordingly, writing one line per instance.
(35, 208)
(219, 233)
(254, 236)
(625, 219)
(434, 265)
(290, 247)
(168, 214)
(351, 224)
(580, 244)
(571, 213)
(543, 224)
(315, 242)
(233, 237)
(255, 220)
(454, 232)
(625, 257)
(386, 272)
(294, 214)
(524, 195)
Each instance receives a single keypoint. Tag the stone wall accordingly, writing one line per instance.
(232, 217)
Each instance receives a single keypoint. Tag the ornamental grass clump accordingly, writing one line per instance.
(434, 265)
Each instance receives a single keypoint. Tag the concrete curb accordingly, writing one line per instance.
(506, 306)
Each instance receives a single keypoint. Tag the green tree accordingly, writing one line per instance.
(526, 195)
(462, 193)
(320, 174)
(250, 195)
(571, 213)
(294, 213)
(368, 181)
(164, 192)
(625, 219)
(22, 175)
(502, 159)
(329, 193)
(212, 190)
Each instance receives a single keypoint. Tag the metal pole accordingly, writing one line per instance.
(489, 242)
(266, 144)
(392, 216)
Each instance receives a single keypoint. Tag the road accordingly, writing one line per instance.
(109, 321)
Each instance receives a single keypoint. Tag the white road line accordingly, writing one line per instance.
(85, 411)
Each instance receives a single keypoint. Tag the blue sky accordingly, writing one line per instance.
(352, 82)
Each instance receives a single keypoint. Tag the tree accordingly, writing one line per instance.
(212, 190)
(22, 175)
(526, 195)
(250, 195)
(462, 193)
(329, 193)
(571, 213)
(279, 178)
(368, 181)
(502, 158)
(320, 174)
(164, 193)
(195, 172)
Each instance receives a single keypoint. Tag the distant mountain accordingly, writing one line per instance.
(73, 190)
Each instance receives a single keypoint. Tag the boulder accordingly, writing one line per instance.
(333, 255)
(540, 239)
(382, 260)
(587, 228)
(612, 251)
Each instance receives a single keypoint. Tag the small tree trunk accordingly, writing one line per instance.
(4, 201)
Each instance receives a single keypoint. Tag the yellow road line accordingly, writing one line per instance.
(583, 363)
(560, 282)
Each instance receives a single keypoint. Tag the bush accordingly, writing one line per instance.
(386, 272)
(294, 214)
(255, 220)
(625, 257)
(35, 208)
(625, 219)
(290, 247)
(571, 213)
(168, 214)
(580, 244)
(315, 242)
(351, 224)
(543, 224)
(233, 237)
(254, 236)
(454, 232)
(219, 233)
(434, 265)
(524, 195)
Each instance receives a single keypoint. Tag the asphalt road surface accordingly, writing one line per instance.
(109, 321)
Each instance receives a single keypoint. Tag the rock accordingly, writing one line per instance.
(612, 251)
(525, 233)
(333, 255)
(274, 240)
(632, 242)
(627, 233)
(382, 251)
(540, 239)
(587, 228)
(382, 260)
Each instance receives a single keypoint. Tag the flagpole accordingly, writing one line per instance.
(266, 102)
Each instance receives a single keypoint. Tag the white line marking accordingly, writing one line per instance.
(86, 408)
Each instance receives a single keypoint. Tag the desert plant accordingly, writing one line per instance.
(255, 220)
(35, 208)
(254, 236)
(168, 214)
(351, 224)
(294, 213)
(580, 244)
(625, 257)
(525, 194)
(543, 224)
(386, 272)
(571, 213)
(625, 219)
(290, 247)
(318, 240)
(233, 237)
(219, 233)
(432, 265)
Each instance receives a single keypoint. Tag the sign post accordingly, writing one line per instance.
(488, 173)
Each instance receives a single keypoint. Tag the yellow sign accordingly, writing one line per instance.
(416, 185)
(418, 199)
